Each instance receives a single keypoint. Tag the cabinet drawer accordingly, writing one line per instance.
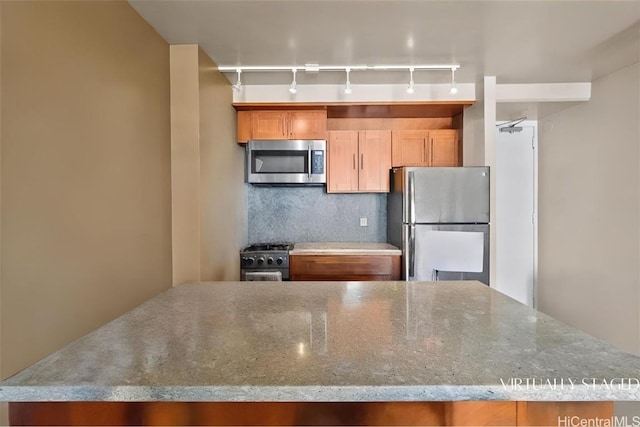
(344, 267)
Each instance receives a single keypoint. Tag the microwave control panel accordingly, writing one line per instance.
(317, 162)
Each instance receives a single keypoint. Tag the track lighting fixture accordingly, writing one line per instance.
(453, 90)
(236, 87)
(410, 88)
(292, 88)
(314, 68)
(347, 88)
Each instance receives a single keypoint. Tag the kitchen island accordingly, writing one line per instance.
(421, 353)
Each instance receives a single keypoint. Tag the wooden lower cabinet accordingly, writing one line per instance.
(465, 413)
(344, 267)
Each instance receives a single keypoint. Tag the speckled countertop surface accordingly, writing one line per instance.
(331, 341)
(342, 248)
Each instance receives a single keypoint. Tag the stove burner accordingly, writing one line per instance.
(263, 247)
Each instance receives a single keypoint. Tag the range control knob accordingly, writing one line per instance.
(249, 260)
(279, 261)
(260, 260)
(269, 260)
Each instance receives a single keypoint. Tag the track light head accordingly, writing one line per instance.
(410, 89)
(236, 87)
(454, 89)
(347, 88)
(292, 88)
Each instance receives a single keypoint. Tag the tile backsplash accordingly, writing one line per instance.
(309, 214)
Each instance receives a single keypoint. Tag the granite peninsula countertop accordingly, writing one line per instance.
(342, 248)
(331, 341)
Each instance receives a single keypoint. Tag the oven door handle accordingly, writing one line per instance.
(271, 276)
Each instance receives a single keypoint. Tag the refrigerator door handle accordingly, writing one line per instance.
(412, 252)
(412, 198)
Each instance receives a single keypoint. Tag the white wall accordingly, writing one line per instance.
(589, 212)
(473, 130)
(516, 175)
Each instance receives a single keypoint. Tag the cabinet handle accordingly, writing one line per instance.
(361, 160)
(424, 150)
(431, 152)
(284, 129)
(354, 160)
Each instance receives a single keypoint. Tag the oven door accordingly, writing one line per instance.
(261, 276)
(286, 162)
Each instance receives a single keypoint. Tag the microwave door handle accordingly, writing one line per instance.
(309, 162)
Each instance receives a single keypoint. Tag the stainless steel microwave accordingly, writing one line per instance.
(287, 162)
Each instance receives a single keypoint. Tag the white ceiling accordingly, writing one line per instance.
(517, 41)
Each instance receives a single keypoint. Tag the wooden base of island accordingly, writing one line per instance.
(496, 413)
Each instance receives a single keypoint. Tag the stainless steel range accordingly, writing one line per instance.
(265, 261)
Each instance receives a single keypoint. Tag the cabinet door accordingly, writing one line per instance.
(269, 125)
(342, 161)
(244, 126)
(408, 148)
(375, 160)
(307, 124)
(444, 147)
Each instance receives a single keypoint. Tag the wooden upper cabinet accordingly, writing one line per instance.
(281, 124)
(342, 162)
(375, 160)
(359, 161)
(425, 148)
(269, 125)
(244, 126)
(445, 148)
(307, 124)
(409, 148)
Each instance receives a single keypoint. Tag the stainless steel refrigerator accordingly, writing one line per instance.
(439, 216)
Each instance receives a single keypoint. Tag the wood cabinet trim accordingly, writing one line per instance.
(459, 413)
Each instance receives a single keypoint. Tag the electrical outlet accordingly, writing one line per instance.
(363, 222)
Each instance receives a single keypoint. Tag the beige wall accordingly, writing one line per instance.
(185, 164)
(223, 211)
(208, 190)
(85, 172)
(589, 212)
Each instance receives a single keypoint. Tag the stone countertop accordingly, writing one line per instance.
(342, 248)
(331, 341)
